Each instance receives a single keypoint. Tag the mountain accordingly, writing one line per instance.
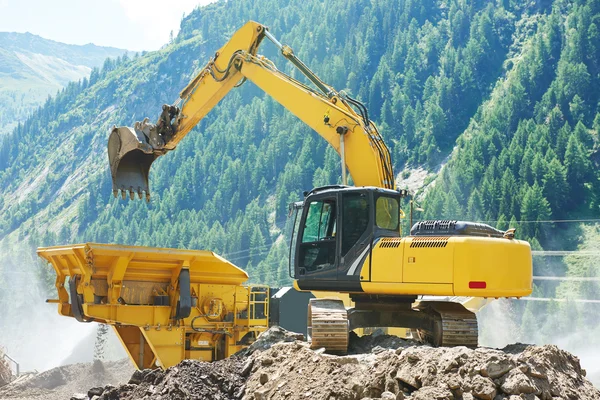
(33, 68)
(491, 108)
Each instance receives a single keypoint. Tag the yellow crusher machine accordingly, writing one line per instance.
(165, 305)
(347, 239)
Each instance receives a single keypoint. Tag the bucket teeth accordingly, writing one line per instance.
(131, 192)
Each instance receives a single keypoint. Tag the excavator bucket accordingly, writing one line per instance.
(130, 157)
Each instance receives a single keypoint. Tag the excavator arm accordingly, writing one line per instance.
(342, 121)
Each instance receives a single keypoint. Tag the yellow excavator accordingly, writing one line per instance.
(347, 239)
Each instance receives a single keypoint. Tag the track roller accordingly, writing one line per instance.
(453, 324)
(328, 325)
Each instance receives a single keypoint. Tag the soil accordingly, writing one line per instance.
(279, 366)
(63, 382)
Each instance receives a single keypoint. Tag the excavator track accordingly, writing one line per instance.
(328, 325)
(454, 325)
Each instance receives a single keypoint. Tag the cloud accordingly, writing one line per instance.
(157, 18)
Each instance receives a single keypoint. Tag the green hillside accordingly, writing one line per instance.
(502, 96)
(33, 68)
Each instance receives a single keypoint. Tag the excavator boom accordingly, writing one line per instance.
(342, 121)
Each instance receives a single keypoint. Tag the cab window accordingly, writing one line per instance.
(320, 221)
(387, 213)
(356, 219)
(318, 247)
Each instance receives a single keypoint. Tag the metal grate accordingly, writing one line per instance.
(434, 241)
(390, 243)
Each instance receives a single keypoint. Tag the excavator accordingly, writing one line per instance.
(346, 239)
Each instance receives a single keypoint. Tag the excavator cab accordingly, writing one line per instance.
(335, 228)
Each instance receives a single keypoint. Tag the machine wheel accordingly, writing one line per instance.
(328, 325)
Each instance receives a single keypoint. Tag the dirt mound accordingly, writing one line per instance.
(63, 382)
(189, 379)
(292, 371)
(388, 368)
(376, 342)
(271, 336)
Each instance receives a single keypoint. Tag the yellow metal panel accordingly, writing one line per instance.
(202, 355)
(429, 260)
(432, 289)
(129, 315)
(146, 263)
(344, 297)
(504, 265)
(130, 336)
(115, 277)
(168, 345)
(386, 264)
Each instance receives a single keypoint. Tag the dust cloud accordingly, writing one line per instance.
(500, 325)
(31, 330)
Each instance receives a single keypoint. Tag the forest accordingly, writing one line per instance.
(499, 100)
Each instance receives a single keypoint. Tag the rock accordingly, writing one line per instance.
(264, 378)
(406, 374)
(516, 382)
(344, 360)
(247, 367)
(266, 361)
(496, 369)
(432, 393)
(79, 396)
(240, 392)
(137, 377)
(391, 385)
(261, 394)
(96, 391)
(454, 383)
(483, 388)
(358, 389)
(388, 396)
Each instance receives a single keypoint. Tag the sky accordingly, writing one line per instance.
(128, 24)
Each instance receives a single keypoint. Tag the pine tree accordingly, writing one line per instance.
(556, 188)
(535, 207)
(475, 206)
(452, 209)
(578, 167)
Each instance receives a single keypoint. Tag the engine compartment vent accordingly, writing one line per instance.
(390, 243)
(429, 242)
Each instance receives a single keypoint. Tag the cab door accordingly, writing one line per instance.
(356, 236)
(318, 240)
